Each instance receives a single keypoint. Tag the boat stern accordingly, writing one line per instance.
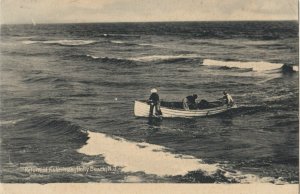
(141, 109)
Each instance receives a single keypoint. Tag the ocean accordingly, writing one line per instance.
(68, 90)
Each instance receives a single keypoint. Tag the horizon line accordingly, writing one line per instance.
(175, 21)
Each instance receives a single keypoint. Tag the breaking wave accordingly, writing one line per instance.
(146, 44)
(156, 58)
(157, 160)
(30, 42)
(141, 60)
(128, 43)
(255, 66)
(62, 42)
(144, 157)
(10, 122)
(121, 35)
(117, 42)
(109, 60)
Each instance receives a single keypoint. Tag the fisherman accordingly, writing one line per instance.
(227, 99)
(154, 103)
(190, 102)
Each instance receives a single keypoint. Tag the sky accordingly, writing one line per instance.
(82, 11)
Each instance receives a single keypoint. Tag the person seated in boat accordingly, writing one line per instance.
(227, 98)
(189, 102)
(203, 104)
(154, 102)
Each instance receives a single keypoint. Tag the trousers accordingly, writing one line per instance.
(156, 108)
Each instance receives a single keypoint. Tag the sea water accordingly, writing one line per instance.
(68, 90)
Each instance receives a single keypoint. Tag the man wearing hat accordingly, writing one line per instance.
(154, 102)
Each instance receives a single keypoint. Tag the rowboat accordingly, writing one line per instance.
(172, 110)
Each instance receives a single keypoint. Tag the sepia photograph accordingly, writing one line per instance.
(158, 93)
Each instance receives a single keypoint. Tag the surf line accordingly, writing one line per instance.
(255, 66)
(154, 159)
(149, 158)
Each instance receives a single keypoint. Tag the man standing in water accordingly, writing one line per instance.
(190, 102)
(154, 103)
(227, 98)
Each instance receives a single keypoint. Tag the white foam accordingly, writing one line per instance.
(92, 56)
(96, 57)
(251, 178)
(150, 45)
(122, 35)
(117, 42)
(162, 57)
(145, 44)
(296, 68)
(133, 179)
(155, 159)
(69, 42)
(62, 42)
(10, 122)
(255, 66)
(149, 158)
(29, 42)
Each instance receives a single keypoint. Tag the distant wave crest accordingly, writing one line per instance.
(143, 59)
(117, 42)
(29, 42)
(70, 42)
(171, 58)
(10, 122)
(121, 35)
(62, 42)
(255, 66)
(110, 60)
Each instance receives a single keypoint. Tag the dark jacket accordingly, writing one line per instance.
(154, 98)
(191, 99)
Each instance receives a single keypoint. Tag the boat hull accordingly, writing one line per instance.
(141, 109)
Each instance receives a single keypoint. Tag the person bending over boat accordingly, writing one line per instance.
(154, 103)
(189, 102)
(227, 99)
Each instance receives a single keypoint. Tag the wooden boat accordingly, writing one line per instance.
(174, 109)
